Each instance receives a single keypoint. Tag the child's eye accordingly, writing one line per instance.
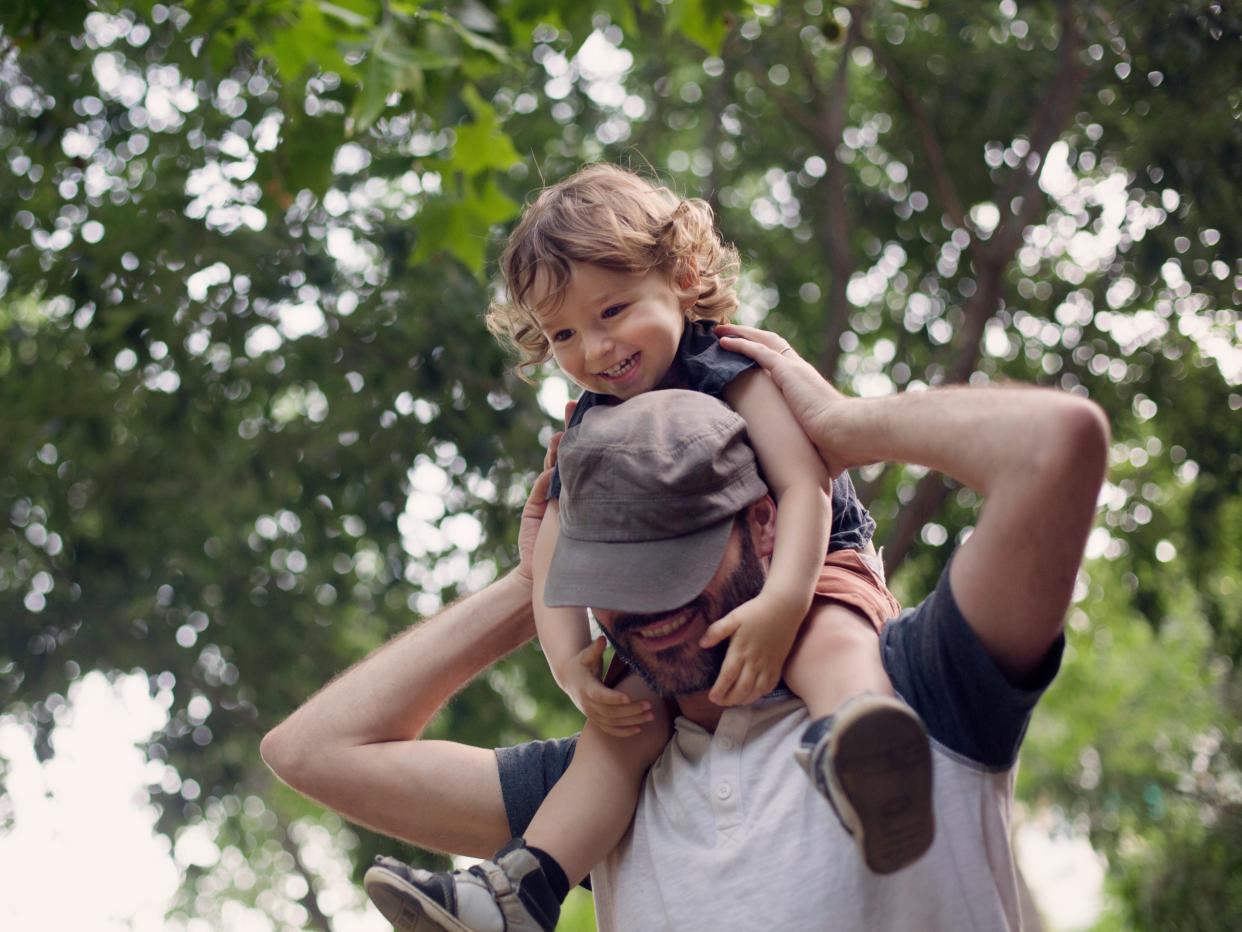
(614, 310)
(561, 336)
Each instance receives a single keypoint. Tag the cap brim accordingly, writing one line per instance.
(635, 576)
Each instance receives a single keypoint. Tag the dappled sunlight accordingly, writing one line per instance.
(254, 424)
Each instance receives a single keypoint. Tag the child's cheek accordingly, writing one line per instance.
(567, 373)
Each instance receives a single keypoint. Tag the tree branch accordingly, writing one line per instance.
(830, 119)
(994, 257)
(866, 489)
(783, 100)
(929, 496)
(982, 305)
(946, 190)
(824, 124)
(992, 260)
(718, 97)
(1046, 127)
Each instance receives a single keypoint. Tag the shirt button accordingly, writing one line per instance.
(726, 744)
(724, 791)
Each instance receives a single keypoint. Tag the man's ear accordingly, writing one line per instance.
(761, 520)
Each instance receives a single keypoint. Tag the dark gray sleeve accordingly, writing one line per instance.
(852, 524)
(709, 366)
(938, 665)
(527, 772)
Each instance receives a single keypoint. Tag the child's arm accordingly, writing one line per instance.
(762, 630)
(565, 637)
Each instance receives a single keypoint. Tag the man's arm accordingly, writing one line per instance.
(355, 745)
(1037, 456)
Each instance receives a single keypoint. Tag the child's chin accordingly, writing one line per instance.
(629, 390)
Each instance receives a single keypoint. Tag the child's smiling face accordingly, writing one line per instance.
(613, 332)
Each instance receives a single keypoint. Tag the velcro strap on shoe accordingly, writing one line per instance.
(497, 879)
(522, 893)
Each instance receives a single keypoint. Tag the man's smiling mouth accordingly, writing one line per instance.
(664, 628)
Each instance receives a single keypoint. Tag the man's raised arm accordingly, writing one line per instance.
(355, 745)
(1037, 456)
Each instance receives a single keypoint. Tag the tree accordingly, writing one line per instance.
(253, 424)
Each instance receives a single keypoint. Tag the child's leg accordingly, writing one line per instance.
(579, 822)
(590, 807)
(866, 751)
(836, 656)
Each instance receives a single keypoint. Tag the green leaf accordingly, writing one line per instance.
(301, 161)
(462, 226)
(482, 144)
(473, 39)
(347, 16)
(703, 22)
(307, 40)
(490, 205)
(377, 84)
(406, 56)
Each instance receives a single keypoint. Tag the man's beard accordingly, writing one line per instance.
(687, 668)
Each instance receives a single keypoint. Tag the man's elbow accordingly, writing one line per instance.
(1084, 438)
(285, 755)
(1070, 449)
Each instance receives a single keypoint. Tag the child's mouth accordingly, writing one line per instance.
(622, 368)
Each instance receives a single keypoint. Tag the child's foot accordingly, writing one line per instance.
(505, 895)
(873, 763)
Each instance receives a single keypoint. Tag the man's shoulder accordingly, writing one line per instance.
(937, 664)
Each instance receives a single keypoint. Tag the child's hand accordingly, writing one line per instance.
(761, 635)
(609, 710)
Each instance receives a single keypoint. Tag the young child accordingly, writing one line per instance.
(622, 283)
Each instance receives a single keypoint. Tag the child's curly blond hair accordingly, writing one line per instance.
(617, 219)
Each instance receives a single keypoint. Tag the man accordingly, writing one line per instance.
(726, 834)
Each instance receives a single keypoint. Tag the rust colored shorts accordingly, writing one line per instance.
(856, 580)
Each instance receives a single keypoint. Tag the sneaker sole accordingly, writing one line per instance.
(885, 771)
(406, 906)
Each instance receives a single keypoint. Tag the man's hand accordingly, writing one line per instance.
(809, 396)
(537, 503)
(761, 635)
(610, 710)
(532, 514)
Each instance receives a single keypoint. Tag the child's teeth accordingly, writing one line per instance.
(620, 367)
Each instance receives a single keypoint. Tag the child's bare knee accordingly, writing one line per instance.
(833, 627)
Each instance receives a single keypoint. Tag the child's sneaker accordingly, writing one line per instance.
(503, 895)
(873, 763)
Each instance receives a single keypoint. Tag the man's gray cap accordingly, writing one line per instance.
(649, 489)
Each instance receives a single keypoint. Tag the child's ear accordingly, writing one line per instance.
(688, 283)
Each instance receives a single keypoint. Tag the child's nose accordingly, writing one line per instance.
(598, 346)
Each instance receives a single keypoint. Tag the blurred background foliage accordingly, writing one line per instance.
(251, 424)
